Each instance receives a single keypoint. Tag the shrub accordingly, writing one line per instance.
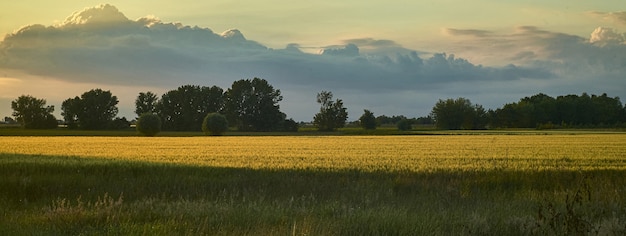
(119, 123)
(290, 125)
(214, 124)
(149, 124)
(404, 125)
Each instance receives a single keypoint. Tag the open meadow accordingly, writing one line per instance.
(523, 183)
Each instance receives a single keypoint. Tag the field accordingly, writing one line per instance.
(508, 183)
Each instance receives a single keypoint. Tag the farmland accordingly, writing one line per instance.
(485, 183)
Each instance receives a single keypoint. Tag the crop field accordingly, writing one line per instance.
(522, 184)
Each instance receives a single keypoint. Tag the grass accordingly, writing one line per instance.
(331, 185)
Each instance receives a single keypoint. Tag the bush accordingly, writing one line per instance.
(290, 125)
(149, 124)
(214, 124)
(119, 123)
(404, 125)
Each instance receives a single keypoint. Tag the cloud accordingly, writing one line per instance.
(103, 14)
(604, 36)
(100, 46)
(616, 17)
(349, 50)
(467, 32)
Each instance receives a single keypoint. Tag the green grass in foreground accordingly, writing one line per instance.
(51, 195)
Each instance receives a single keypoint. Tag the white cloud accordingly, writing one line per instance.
(103, 14)
(604, 36)
(101, 47)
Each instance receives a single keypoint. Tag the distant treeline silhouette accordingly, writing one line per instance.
(538, 111)
(252, 105)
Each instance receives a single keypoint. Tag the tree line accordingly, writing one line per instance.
(252, 105)
(248, 105)
(538, 111)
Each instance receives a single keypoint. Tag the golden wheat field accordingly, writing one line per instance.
(367, 153)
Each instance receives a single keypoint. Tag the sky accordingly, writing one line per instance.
(393, 57)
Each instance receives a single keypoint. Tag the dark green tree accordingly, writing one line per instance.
(290, 125)
(93, 110)
(32, 113)
(146, 103)
(608, 110)
(332, 114)
(404, 125)
(96, 109)
(184, 109)
(69, 110)
(215, 124)
(367, 120)
(459, 114)
(149, 124)
(252, 105)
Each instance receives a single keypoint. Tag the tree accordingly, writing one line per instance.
(404, 125)
(215, 124)
(32, 113)
(70, 109)
(367, 120)
(332, 114)
(252, 105)
(184, 109)
(146, 103)
(149, 124)
(94, 109)
(459, 114)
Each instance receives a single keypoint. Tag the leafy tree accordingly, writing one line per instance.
(94, 109)
(404, 125)
(367, 120)
(570, 110)
(32, 113)
(215, 124)
(146, 103)
(184, 109)
(608, 110)
(458, 114)
(149, 124)
(70, 109)
(332, 114)
(386, 120)
(253, 105)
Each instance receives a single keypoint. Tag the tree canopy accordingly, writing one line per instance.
(184, 108)
(459, 114)
(367, 120)
(146, 103)
(332, 114)
(252, 105)
(568, 110)
(93, 110)
(32, 113)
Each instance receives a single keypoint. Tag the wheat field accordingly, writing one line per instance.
(486, 184)
(367, 153)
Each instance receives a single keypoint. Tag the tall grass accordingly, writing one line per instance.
(106, 191)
